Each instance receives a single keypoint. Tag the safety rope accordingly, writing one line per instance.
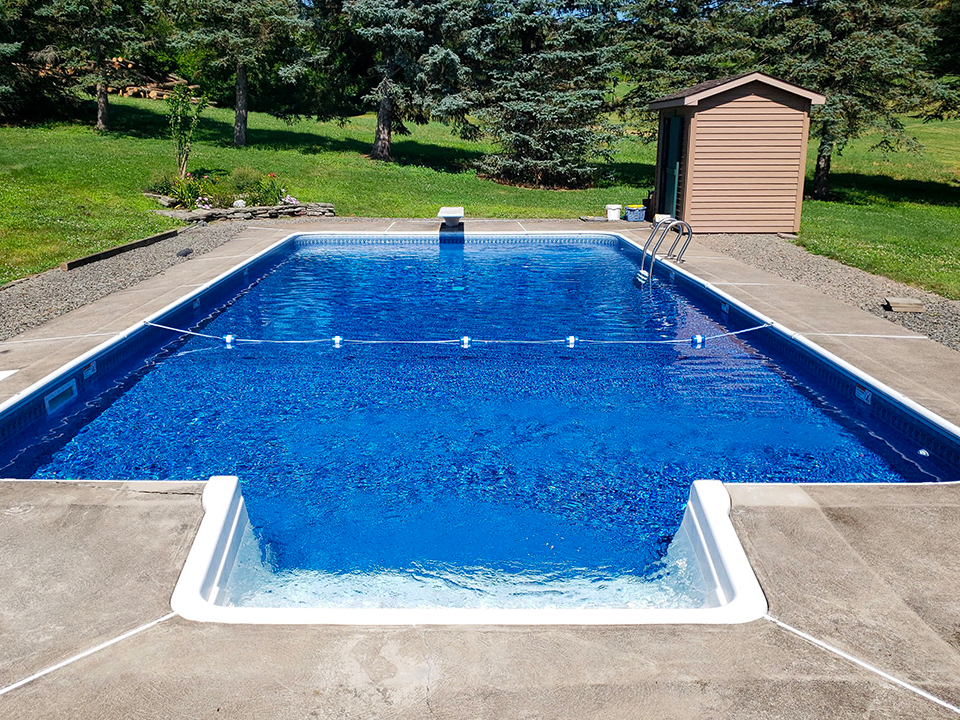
(465, 341)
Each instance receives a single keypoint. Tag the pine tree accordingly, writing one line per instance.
(548, 70)
(241, 37)
(672, 44)
(419, 73)
(868, 58)
(86, 38)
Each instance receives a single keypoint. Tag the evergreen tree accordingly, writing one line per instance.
(10, 49)
(86, 36)
(945, 54)
(867, 57)
(548, 70)
(418, 72)
(672, 44)
(240, 38)
(330, 67)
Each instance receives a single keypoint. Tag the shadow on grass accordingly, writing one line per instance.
(137, 122)
(856, 189)
(631, 174)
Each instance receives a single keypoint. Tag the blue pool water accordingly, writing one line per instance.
(501, 473)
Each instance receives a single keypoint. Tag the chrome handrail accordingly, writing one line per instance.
(684, 229)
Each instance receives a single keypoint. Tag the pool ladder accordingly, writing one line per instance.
(668, 225)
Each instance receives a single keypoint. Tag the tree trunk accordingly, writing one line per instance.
(240, 111)
(821, 174)
(381, 143)
(103, 118)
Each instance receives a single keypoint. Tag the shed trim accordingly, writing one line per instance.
(692, 96)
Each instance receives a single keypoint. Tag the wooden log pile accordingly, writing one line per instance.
(131, 80)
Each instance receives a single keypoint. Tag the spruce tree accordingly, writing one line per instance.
(11, 48)
(418, 69)
(945, 54)
(668, 45)
(548, 72)
(868, 58)
(241, 37)
(86, 37)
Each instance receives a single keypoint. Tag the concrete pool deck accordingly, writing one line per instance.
(869, 570)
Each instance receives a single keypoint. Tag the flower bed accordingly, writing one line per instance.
(208, 190)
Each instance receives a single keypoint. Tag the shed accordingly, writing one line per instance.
(732, 154)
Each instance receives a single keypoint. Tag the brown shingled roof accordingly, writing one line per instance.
(694, 89)
(705, 87)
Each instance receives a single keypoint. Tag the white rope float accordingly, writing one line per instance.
(231, 341)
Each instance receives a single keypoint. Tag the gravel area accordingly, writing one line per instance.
(33, 301)
(940, 321)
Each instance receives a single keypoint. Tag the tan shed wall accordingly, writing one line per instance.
(747, 161)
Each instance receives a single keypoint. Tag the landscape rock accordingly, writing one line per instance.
(256, 211)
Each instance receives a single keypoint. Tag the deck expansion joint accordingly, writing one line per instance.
(863, 664)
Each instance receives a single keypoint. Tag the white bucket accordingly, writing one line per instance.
(613, 212)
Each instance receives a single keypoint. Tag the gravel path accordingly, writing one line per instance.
(940, 322)
(35, 300)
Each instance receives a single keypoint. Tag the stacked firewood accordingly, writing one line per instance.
(146, 87)
(133, 81)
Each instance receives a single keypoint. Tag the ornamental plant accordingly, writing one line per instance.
(268, 191)
(192, 192)
(185, 113)
(207, 192)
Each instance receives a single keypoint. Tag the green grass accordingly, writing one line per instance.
(898, 215)
(66, 192)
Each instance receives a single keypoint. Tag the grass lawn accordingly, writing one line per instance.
(897, 216)
(66, 191)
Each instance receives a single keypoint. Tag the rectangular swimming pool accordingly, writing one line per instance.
(507, 423)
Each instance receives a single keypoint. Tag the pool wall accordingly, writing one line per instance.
(936, 435)
(733, 593)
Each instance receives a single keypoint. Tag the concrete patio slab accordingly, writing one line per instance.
(83, 563)
(811, 567)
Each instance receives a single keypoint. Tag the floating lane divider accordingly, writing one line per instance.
(231, 341)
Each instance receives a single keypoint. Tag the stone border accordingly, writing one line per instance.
(249, 213)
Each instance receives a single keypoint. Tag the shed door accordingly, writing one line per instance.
(670, 175)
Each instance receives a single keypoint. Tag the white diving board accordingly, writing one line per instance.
(451, 216)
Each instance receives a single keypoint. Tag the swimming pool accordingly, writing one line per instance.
(497, 475)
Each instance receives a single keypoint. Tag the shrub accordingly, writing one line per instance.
(222, 195)
(268, 191)
(245, 178)
(162, 182)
